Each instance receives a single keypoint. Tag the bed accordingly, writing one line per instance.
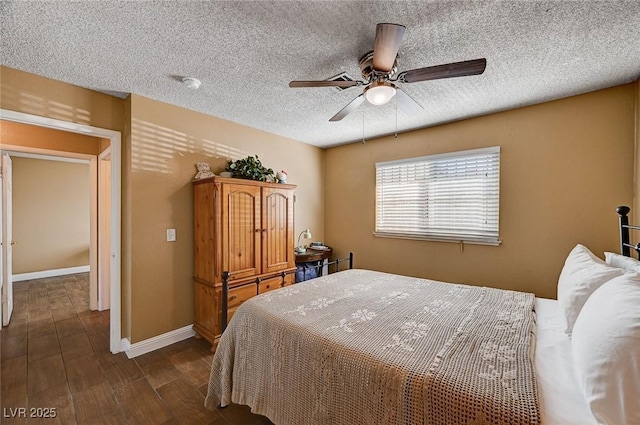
(365, 347)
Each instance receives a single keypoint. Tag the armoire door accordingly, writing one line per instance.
(277, 220)
(241, 230)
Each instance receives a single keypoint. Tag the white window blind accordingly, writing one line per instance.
(452, 197)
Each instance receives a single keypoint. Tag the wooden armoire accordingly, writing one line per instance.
(244, 227)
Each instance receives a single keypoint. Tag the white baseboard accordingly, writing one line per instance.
(49, 273)
(151, 344)
(125, 346)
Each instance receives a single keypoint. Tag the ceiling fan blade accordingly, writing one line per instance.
(351, 106)
(343, 84)
(406, 103)
(449, 70)
(385, 48)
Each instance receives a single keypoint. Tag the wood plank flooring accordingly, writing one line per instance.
(55, 354)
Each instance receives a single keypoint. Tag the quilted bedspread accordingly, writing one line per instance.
(364, 347)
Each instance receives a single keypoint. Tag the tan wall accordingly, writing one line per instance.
(32, 94)
(51, 210)
(31, 136)
(166, 142)
(103, 145)
(125, 290)
(565, 166)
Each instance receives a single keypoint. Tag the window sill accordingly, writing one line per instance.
(437, 239)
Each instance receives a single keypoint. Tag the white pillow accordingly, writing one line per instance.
(582, 274)
(606, 351)
(620, 261)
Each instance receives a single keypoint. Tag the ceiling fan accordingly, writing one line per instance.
(379, 69)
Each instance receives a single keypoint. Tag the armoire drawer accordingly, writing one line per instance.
(270, 284)
(240, 294)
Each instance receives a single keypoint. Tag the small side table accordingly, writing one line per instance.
(308, 262)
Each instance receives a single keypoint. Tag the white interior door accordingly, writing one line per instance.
(7, 241)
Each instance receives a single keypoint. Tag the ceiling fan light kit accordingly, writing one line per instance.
(380, 93)
(379, 68)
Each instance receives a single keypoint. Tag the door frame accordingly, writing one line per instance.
(6, 239)
(1, 250)
(103, 227)
(115, 334)
(89, 160)
(79, 158)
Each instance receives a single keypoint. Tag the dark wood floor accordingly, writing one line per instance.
(55, 354)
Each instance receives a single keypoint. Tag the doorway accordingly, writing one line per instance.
(112, 161)
(55, 203)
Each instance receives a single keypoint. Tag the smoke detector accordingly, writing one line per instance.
(192, 83)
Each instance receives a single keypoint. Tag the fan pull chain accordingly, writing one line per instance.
(363, 141)
(395, 136)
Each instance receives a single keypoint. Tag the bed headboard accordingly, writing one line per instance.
(625, 228)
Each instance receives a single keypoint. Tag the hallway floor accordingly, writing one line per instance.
(55, 356)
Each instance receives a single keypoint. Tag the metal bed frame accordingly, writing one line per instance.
(319, 267)
(625, 228)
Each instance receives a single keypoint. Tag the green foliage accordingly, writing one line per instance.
(250, 168)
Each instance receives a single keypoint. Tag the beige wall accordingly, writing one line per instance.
(125, 246)
(565, 166)
(166, 143)
(32, 94)
(31, 136)
(51, 201)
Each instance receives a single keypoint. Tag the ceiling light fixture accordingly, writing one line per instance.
(380, 92)
(192, 83)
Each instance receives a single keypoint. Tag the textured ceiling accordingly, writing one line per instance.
(245, 53)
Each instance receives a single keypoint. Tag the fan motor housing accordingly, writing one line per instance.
(366, 67)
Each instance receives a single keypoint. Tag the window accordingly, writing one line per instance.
(449, 197)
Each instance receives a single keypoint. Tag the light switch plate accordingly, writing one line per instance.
(171, 235)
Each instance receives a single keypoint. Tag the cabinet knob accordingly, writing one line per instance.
(232, 298)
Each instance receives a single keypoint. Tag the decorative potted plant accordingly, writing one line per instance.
(250, 168)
